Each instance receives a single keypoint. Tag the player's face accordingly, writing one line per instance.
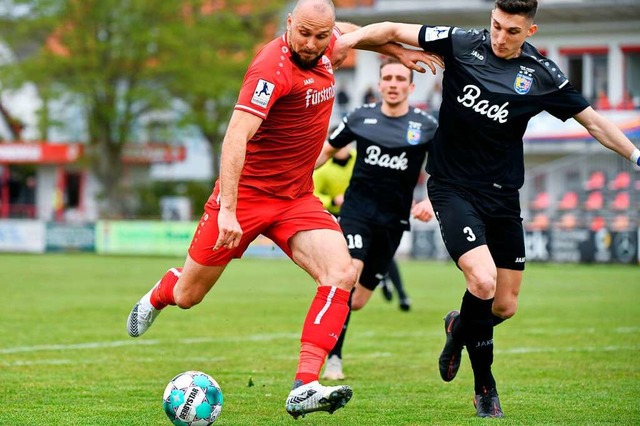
(309, 35)
(395, 84)
(508, 33)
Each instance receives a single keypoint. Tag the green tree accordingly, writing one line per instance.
(117, 61)
(218, 43)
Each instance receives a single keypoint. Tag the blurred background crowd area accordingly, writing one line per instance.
(114, 109)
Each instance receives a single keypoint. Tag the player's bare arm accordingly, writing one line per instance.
(383, 33)
(606, 132)
(410, 58)
(242, 127)
(379, 34)
(327, 152)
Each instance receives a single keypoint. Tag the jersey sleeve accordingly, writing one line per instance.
(267, 79)
(342, 135)
(562, 100)
(437, 39)
(564, 103)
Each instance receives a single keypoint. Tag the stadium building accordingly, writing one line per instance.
(580, 201)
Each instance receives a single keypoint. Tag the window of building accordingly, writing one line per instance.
(587, 70)
(631, 76)
(72, 189)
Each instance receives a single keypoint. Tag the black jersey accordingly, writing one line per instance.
(391, 152)
(486, 105)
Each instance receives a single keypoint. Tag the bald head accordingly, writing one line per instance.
(315, 7)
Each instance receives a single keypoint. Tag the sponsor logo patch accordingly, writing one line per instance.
(262, 93)
(436, 33)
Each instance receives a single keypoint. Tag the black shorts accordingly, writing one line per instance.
(470, 218)
(374, 245)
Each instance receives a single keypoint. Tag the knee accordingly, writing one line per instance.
(357, 304)
(482, 283)
(186, 300)
(504, 310)
(344, 277)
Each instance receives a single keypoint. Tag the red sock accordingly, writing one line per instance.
(162, 294)
(321, 330)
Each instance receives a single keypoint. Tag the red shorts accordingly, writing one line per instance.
(278, 219)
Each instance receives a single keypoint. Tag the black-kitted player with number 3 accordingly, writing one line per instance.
(494, 82)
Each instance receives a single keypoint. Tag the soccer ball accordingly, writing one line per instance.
(192, 398)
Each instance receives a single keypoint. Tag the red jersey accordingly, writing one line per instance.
(296, 106)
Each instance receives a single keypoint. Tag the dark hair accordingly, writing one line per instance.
(526, 8)
(389, 60)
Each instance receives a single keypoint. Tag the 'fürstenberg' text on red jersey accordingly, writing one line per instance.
(295, 105)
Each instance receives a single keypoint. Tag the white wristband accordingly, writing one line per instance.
(635, 157)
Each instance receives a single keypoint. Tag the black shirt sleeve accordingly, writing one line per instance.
(565, 103)
(436, 39)
(343, 135)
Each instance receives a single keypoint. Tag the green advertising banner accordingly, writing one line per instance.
(70, 236)
(144, 237)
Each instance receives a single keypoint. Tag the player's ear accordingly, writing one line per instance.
(532, 30)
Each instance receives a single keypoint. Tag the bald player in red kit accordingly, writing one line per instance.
(275, 134)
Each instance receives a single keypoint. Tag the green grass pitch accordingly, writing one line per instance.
(569, 357)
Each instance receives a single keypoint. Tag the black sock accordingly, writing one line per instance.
(477, 329)
(496, 320)
(394, 276)
(337, 349)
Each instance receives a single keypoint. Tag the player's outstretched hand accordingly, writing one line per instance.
(411, 58)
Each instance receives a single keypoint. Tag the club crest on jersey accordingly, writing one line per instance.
(522, 83)
(414, 131)
(262, 93)
(327, 64)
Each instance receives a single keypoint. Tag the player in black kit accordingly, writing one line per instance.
(494, 83)
(392, 141)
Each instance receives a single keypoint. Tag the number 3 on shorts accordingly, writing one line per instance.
(470, 235)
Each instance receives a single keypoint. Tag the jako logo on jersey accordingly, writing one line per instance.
(477, 55)
(397, 162)
(262, 93)
(315, 97)
(483, 107)
(370, 121)
(309, 81)
(522, 83)
(414, 132)
(520, 260)
(436, 33)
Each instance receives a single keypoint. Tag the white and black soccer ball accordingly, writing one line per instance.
(192, 398)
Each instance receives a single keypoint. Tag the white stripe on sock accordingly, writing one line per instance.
(325, 308)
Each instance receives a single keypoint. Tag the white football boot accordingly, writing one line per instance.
(315, 397)
(333, 369)
(142, 315)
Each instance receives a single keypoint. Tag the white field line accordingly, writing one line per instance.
(101, 361)
(289, 336)
(132, 342)
(373, 355)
